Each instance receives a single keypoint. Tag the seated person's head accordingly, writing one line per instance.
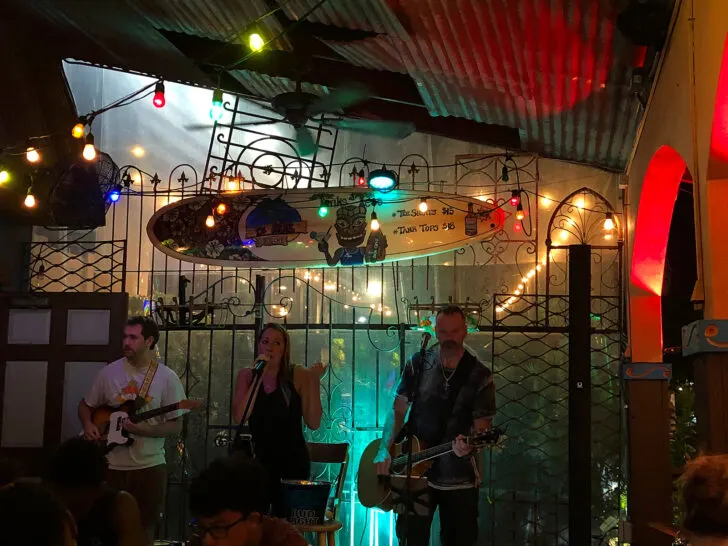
(228, 500)
(30, 516)
(76, 472)
(705, 497)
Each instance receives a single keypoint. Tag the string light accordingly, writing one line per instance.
(256, 42)
(520, 215)
(210, 221)
(375, 223)
(32, 155)
(4, 175)
(89, 150)
(78, 130)
(609, 222)
(323, 211)
(115, 194)
(138, 151)
(216, 108)
(159, 101)
(423, 205)
(361, 179)
(515, 198)
(30, 199)
(520, 289)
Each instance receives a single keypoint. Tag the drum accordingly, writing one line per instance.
(305, 502)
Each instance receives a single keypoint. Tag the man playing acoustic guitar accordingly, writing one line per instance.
(139, 469)
(456, 396)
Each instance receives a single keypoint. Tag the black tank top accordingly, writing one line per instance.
(276, 425)
(96, 528)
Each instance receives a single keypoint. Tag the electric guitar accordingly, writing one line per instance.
(375, 490)
(110, 420)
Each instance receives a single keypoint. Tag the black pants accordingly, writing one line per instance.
(458, 519)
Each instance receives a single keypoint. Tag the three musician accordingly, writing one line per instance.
(447, 392)
(139, 469)
(454, 395)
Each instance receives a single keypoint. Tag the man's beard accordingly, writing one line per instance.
(449, 345)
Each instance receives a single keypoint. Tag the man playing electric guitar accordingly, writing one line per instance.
(140, 468)
(455, 397)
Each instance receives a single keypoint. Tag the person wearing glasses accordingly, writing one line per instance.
(228, 501)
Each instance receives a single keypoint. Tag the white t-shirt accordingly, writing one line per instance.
(120, 382)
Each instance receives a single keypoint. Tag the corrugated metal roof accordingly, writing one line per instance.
(215, 19)
(560, 75)
(268, 87)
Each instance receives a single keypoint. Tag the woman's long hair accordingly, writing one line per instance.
(285, 370)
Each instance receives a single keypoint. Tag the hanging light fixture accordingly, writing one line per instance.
(520, 215)
(515, 198)
(32, 155)
(158, 100)
(609, 222)
(78, 130)
(89, 150)
(30, 198)
(375, 222)
(216, 109)
(210, 221)
(382, 180)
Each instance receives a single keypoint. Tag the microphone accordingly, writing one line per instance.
(260, 363)
(425, 340)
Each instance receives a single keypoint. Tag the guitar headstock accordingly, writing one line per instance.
(190, 404)
(488, 438)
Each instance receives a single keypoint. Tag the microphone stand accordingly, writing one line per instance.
(241, 435)
(409, 497)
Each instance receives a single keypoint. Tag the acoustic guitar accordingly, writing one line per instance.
(375, 490)
(110, 419)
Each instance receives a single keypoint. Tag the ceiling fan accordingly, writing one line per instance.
(298, 107)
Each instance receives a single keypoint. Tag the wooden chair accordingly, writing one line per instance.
(329, 454)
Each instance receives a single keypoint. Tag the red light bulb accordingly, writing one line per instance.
(159, 101)
(517, 226)
(515, 198)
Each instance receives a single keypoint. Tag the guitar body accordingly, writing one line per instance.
(375, 490)
(109, 421)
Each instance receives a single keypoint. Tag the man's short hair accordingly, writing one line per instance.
(77, 464)
(237, 483)
(705, 496)
(450, 310)
(149, 328)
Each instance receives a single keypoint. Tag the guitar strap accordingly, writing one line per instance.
(148, 378)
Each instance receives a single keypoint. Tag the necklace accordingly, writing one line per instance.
(447, 376)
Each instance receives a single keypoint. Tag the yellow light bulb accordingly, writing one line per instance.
(78, 130)
(520, 215)
(609, 222)
(4, 176)
(423, 205)
(29, 200)
(138, 151)
(32, 155)
(221, 209)
(210, 221)
(375, 225)
(89, 152)
(256, 41)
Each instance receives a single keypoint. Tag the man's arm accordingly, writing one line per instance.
(127, 522)
(172, 427)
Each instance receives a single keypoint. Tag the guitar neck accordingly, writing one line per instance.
(428, 453)
(153, 413)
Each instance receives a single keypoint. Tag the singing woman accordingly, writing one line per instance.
(288, 397)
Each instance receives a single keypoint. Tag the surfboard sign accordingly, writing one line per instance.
(319, 227)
